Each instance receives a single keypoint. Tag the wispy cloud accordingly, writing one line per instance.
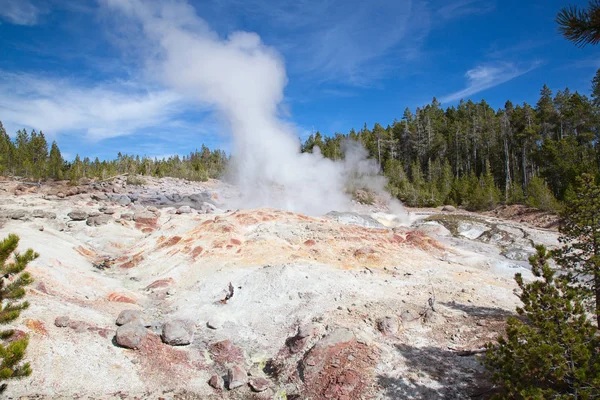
(100, 111)
(463, 8)
(486, 76)
(19, 12)
(348, 42)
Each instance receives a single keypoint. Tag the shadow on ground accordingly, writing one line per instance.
(434, 373)
(489, 313)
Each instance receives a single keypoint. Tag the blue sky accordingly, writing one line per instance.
(75, 69)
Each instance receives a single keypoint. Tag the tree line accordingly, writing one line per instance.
(28, 156)
(475, 156)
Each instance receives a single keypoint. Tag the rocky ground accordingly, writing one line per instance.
(161, 291)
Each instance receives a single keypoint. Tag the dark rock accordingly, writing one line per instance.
(78, 215)
(259, 384)
(178, 333)
(62, 321)
(236, 377)
(130, 335)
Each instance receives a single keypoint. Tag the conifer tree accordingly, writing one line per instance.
(12, 291)
(580, 231)
(551, 352)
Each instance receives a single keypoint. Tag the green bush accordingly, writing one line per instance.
(540, 196)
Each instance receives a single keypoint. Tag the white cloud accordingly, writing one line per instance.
(101, 111)
(486, 76)
(19, 12)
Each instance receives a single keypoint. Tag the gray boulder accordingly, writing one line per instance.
(78, 215)
(99, 220)
(17, 214)
(449, 208)
(178, 333)
(43, 214)
(130, 335)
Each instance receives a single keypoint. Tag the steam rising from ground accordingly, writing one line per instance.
(244, 80)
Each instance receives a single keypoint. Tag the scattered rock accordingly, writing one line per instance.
(388, 325)
(99, 220)
(449, 208)
(236, 377)
(43, 214)
(178, 333)
(99, 197)
(60, 195)
(127, 316)
(62, 321)
(130, 335)
(108, 210)
(216, 382)
(17, 214)
(78, 215)
(259, 384)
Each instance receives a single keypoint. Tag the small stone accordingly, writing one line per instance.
(449, 208)
(216, 382)
(127, 316)
(78, 215)
(62, 321)
(152, 209)
(259, 384)
(178, 333)
(130, 335)
(236, 377)
(41, 228)
(60, 195)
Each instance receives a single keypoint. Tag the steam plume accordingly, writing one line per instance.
(244, 80)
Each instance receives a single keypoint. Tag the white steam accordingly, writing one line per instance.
(244, 80)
